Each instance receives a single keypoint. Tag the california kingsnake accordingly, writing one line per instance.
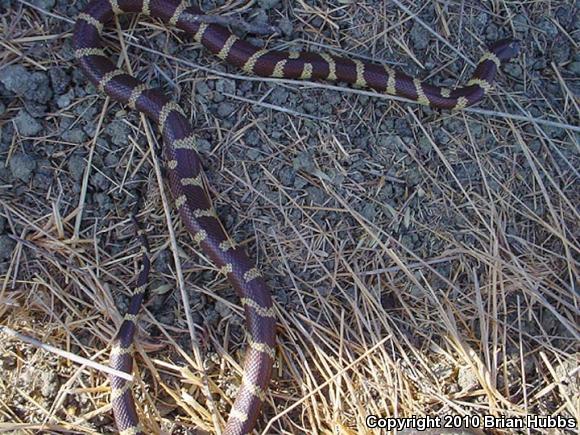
(185, 171)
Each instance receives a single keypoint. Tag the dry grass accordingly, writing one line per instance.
(456, 294)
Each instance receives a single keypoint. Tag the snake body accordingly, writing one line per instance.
(185, 171)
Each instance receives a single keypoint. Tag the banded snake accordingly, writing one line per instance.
(185, 171)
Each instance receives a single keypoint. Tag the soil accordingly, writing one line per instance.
(422, 262)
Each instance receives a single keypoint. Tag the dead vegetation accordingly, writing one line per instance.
(422, 263)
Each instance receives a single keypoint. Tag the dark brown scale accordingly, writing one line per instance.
(258, 363)
(239, 54)
(126, 415)
(405, 86)
(177, 127)
(266, 63)
(376, 77)
(321, 67)
(151, 103)
(190, 167)
(97, 67)
(164, 9)
(120, 87)
(215, 38)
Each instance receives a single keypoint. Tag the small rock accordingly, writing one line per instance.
(561, 52)
(16, 78)
(26, 124)
(480, 21)
(49, 384)
(476, 130)
(287, 176)
(492, 32)
(7, 132)
(76, 135)
(47, 5)
(22, 165)
(304, 162)
(574, 68)
(40, 90)
(254, 154)
(202, 88)
(391, 142)
(420, 37)
(514, 70)
(285, 26)
(520, 23)
(43, 175)
(104, 201)
(268, 4)
(413, 177)
(547, 26)
(539, 64)
(310, 107)
(30, 86)
(76, 166)
(163, 261)
(99, 181)
(409, 240)
(252, 138)
(6, 247)
(222, 309)
(59, 80)
(65, 100)
(218, 97)
(316, 195)
(260, 19)
(369, 211)
(225, 109)
(204, 146)
(225, 86)
(300, 183)
(535, 146)
(466, 379)
(279, 96)
(111, 160)
(36, 110)
(119, 132)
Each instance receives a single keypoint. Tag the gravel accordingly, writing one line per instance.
(7, 246)
(22, 166)
(26, 124)
(32, 86)
(281, 181)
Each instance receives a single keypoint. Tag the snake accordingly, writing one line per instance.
(186, 179)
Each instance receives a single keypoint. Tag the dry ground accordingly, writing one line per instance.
(422, 263)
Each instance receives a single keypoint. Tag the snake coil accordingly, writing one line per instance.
(185, 170)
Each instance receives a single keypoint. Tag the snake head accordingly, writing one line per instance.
(505, 49)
